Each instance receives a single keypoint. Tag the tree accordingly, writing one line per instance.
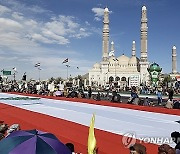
(51, 79)
(58, 79)
(167, 79)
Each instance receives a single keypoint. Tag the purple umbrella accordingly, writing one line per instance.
(32, 142)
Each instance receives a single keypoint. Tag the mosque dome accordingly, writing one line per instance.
(133, 60)
(97, 66)
(123, 59)
(154, 67)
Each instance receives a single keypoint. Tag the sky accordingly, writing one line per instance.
(49, 31)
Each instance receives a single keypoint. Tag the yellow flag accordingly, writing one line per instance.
(91, 137)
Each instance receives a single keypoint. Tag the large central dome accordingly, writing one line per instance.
(123, 59)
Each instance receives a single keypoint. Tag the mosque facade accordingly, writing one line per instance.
(123, 70)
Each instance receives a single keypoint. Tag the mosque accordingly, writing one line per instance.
(123, 70)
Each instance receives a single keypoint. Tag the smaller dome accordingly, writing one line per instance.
(112, 42)
(154, 67)
(106, 10)
(133, 60)
(97, 65)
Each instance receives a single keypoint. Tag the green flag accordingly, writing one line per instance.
(6, 72)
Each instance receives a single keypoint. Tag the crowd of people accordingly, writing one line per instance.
(62, 90)
(6, 130)
(136, 148)
(112, 93)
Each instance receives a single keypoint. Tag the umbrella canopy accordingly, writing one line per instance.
(32, 142)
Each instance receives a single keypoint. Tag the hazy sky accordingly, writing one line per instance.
(49, 31)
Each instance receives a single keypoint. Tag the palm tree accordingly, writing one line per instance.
(167, 79)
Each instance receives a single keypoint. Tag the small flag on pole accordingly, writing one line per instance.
(37, 65)
(14, 68)
(65, 61)
(67, 65)
(91, 137)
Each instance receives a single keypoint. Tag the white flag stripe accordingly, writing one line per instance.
(111, 119)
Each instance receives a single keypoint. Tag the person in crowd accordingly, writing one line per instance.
(98, 96)
(1, 136)
(137, 149)
(159, 97)
(3, 128)
(72, 94)
(146, 101)
(176, 104)
(114, 93)
(134, 96)
(166, 149)
(176, 138)
(13, 128)
(169, 104)
(89, 92)
(170, 94)
(71, 148)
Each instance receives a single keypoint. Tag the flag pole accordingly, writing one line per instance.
(39, 73)
(67, 70)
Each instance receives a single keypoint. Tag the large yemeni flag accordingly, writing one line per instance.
(69, 120)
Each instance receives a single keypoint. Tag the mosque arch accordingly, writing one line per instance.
(117, 78)
(111, 79)
(123, 78)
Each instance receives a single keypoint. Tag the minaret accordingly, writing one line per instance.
(144, 30)
(134, 48)
(174, 61)
(105, 45)
(144, 64)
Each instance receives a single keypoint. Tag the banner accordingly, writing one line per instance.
(6, 72)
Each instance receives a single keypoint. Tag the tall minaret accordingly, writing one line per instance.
(144, 30)
(134, 48)
(105, 45)
(174, 61)
(144, 64)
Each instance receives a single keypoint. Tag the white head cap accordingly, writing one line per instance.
(144, 8)
(134, 42)
(174, 47)
(106, 10)
(112, 42)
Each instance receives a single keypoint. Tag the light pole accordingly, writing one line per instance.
(67, 70)
(115, 67)
(107, 77)
(39, 73)
(14, 74)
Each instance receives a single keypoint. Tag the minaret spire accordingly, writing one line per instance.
(174, 61)
(105, 45)
(111, 54)
(134, 48)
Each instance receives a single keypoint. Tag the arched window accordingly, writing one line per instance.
(111, 79)
(123, 79)
(117, 78)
